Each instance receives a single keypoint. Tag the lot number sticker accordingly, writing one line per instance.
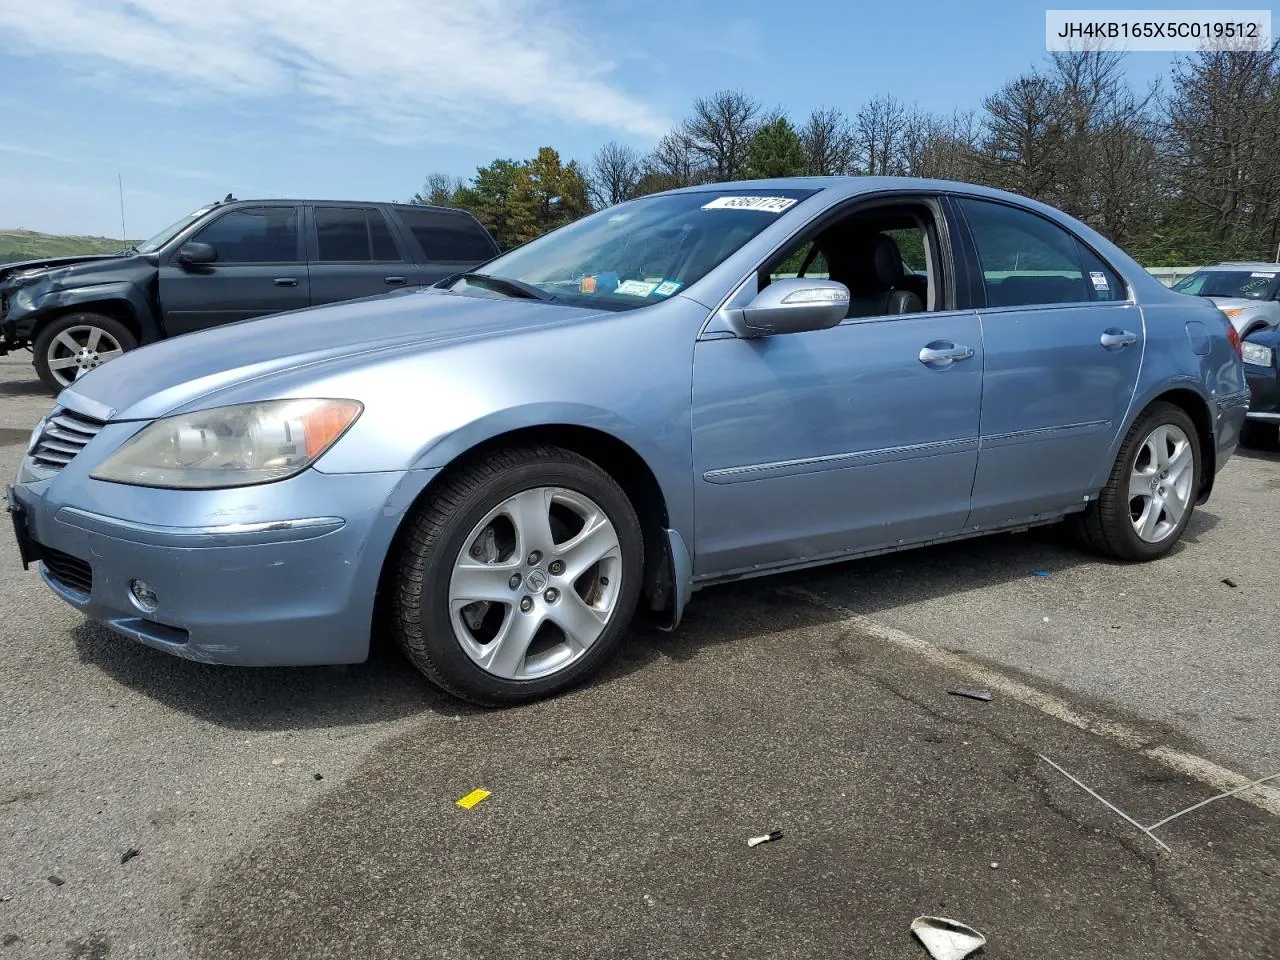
(762, 204)
(635, 288)
(1099, 279)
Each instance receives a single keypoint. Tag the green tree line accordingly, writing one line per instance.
(1186, 171)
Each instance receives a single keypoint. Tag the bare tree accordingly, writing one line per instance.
(828, 143)
(1023, 136)
(1224, 145)
(719, 131)
(941, 147)
(671, 164)
(438, 189)
(615, 171)
(877, 131)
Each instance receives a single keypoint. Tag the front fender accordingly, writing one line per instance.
(34, 304)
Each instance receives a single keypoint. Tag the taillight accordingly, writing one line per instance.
(1234, 336)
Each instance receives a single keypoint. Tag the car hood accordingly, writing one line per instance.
(1252, 311)
(92, 261)
(156, 380)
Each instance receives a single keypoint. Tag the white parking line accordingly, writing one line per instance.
(1262, 796)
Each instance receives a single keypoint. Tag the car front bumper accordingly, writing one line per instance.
(274, 581)
(1264, 393)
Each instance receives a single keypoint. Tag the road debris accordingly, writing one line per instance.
(129, 854)
(277, 761)
(318, 776)
(472, 798)
(56, 880)
(1220, 796)
(764, 838)
(947, 939)
(1230, 583)
(1111, 806)
(1040, 573)
(972, 693)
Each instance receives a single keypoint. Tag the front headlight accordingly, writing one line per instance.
(230, 446)
(1256, 353)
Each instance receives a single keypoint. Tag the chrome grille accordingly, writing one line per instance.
(64, 435)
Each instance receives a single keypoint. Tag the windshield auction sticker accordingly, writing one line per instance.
(762, 204)
(1174, 31)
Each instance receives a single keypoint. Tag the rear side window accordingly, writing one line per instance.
(450, 237)
(1026, 260)
(254, 235)
(354, 235)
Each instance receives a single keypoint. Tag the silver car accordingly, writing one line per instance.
(690, 388)
(1248, 293)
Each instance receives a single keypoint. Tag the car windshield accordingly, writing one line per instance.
(171, 231)
(1247, 284)
(639, 252)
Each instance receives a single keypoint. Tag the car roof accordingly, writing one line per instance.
(1262, 265)
(343, 203)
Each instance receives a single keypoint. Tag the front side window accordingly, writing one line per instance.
(171, 231)
(643, 251)
(1026, 260)
(448, 237)
(254, 235)
(1245, 284)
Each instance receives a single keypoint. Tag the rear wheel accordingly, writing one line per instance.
(1151, 493)
(69, 347)
(519, 577)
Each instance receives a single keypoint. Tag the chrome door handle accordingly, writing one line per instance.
(943, 353)
(394, 281)
(1117, 339)
(285, 281)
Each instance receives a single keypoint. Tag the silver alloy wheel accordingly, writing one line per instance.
(1160, 485)
(78, 349)
(536, 583)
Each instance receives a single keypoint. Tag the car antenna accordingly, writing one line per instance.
(228, 198)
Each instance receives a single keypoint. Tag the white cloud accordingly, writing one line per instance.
(399, 70)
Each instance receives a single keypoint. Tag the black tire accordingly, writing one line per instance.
(49, 333)
(1106, 526)
(437, 533)
(1260, 436)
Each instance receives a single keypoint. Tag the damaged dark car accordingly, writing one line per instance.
(228, 261)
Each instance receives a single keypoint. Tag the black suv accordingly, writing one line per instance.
(229, 261)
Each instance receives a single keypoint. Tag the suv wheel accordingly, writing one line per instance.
(69, 346)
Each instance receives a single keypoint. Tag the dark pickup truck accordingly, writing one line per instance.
(229, 261)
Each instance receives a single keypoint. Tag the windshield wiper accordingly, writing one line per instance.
(514, 288)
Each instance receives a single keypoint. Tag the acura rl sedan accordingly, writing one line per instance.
(693, 387)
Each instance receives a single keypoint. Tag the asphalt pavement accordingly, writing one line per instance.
(310, 812)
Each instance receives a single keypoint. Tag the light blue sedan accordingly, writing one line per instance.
(693, 387)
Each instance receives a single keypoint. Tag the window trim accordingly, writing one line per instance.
(300, 247)
(367, 209)
(977, 282)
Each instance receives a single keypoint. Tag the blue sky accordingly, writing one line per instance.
(360, 100)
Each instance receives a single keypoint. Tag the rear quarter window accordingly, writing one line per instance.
(448, 237)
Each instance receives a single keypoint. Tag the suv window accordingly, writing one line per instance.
(1027, 260)
(354, 235)
(254, 235)
(451, 237)
(1250, 284)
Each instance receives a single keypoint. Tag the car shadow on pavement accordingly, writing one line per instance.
(1266, 454)
(23, 388)
(387, 688)
(382, 689)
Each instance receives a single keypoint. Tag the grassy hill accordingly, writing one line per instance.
(29, 245)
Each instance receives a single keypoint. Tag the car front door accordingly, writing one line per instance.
(258, 269)
(1063, 347)
(353, 254)
(865, 435)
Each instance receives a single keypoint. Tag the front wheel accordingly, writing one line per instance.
(518, 578)
(69, 347)
(1150, 496)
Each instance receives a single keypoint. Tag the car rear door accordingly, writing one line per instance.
(353, 253)
(259, 269)
(1064, 345)
(862, 436)
(447, 241)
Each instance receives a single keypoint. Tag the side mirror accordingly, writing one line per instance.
(794, 306)
(197, 252)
